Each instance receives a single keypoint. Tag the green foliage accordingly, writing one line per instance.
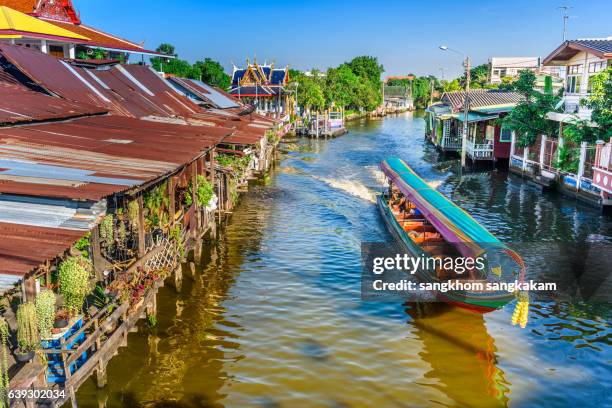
(83, 245)
(340, 86)
(600, 101)
(479, 77)
(4, 353)
(133, 214)
(451, 86)
(175, 66)
(213, 73)
(166, 48)
(310, 90)
(154, 201)
(176, 236)
(548, 85)
(74, 279)
(528, 118)
(100, 298)
(368, 68)
(152, 320)
(45, 312)
(27, 330)
(107, 230)
(203, 194)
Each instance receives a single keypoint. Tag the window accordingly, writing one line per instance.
(572, 83)
(597, 66)
(505, 135)
(574, 69)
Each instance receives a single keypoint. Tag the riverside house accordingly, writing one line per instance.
(590, 181)
(487, 140)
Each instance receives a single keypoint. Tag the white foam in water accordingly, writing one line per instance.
(353, 187)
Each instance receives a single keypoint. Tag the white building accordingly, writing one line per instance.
(582, 59)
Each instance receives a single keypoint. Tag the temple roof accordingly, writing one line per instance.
(23, 6)
(16, 24)
(99, 38)
(260, 74)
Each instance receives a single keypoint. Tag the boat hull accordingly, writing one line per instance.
(473, 301)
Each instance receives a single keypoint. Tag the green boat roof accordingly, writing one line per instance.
(454, 224)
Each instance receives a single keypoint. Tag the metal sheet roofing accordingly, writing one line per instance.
(130, 90)
(24, 247)
(204, 92)
(481, 97)
(98, 151)
(19, 104)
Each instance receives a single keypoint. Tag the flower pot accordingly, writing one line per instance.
(60, 323)
(24, 357)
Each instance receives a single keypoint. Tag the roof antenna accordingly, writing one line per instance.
(566, 16)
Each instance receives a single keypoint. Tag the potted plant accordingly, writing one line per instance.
(61, 319)
(45, 312)
(27, 332)
(74, 279)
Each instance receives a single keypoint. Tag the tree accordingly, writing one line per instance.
(600, 101)
(174, 66)
(310, 92)
(368, 68)
(528, 118)
(340, 86)
(213, 73)
(479, 77)
(166, 49)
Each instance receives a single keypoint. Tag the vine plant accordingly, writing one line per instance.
(27, 330)
(74, 278)
(45, 312)
(4, 352)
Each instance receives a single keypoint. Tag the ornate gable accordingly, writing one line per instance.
(59, 10)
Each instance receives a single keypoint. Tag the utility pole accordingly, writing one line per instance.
(431, 91)
(466, 109)
(566, 16)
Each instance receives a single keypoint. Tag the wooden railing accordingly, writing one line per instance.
(480, 151)
(451, 142)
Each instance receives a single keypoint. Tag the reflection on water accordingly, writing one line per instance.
(275, 319)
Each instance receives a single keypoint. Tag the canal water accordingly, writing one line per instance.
(275, 317)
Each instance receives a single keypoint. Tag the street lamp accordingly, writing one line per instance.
(466, 101)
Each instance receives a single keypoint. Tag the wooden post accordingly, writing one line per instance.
(141, 230)
(29, 286)
(583, 152)
(96, 253)
(194, 195)
(525, 157)
(542, 152)
(171, 200)
(101, 379)
(211, 161)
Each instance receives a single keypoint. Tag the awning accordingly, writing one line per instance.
(474, 116)
(495, 109)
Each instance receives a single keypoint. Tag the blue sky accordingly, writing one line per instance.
(404, 35)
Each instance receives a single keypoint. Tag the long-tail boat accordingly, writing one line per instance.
(429, 224)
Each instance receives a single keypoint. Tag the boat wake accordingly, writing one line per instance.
(352, 187)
